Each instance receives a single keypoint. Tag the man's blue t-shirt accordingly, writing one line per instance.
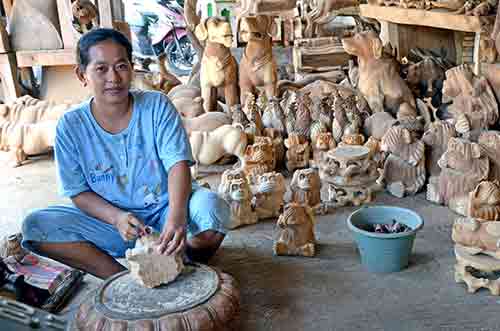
(130, 168)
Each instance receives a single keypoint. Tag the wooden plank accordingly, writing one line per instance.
(68, 33)
(46, 58)
(430, 18)
(8, 75)
(4, 37)
(105, 13)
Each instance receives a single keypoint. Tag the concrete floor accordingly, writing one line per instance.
(328, 292)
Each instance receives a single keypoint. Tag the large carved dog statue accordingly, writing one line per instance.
(257, 66)
(218, 66)
(379, 79)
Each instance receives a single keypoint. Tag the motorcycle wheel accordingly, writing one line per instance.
(179, 64)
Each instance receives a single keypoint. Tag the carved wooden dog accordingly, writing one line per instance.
(379, 79)
(257, 66)
(208, 147)
(218, 66)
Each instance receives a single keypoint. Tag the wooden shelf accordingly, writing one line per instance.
(57, 57)
(431, 18)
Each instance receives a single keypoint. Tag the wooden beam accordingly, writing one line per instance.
(46, 58)
(430, 18)
(8, 75)
(105, 13)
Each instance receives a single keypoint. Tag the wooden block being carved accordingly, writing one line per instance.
(150, 268)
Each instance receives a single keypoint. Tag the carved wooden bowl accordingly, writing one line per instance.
(201, 298)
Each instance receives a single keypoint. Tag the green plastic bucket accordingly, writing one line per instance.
(382, 252)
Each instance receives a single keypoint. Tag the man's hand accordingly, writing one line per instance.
(173, 236)
(129, 226)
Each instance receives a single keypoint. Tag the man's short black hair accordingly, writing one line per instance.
(96, 36)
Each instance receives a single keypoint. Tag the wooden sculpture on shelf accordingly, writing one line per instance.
(85, 15)
(260, 156)
(305, 188)
(465, 7)
(209, 147)
(239, 199)
(490, 145)
(463, 166)
(404, 169)
(474, 106)
(322, 144)
(149, 267)
(484, 201)
(477, 236)
(436, 137)
(257, 66)
(379, 79)
(206, 122)
(298, 153)
(268, 190)
(295, 231)
(219, 69)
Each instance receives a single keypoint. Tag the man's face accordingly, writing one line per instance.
(109, 72)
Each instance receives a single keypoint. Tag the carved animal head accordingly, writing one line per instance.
(460, 153)
(399, 142)
(305, 179)
(324, 141)
(262, 150)
(366, 45)
(215, 30)
(226, 178)
(459, 80)
(260, 27)
(270, 182)
(239, 190)
(296, 215)
(438, 134)
(84, 11)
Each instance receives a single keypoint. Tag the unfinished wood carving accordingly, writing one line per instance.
(206, 122)
(463, 167)
(219, 69)
(379, 79)
(323, 143)
(490, 145)
(487, 266)
(227, 176)
(298, 153)
(295, 232)
(34, 25)
(351, 175)
(187, 100)
(150, 268)
(239, 198)
(474, 106)
(436, 137)
(268, 190)
(404, 169)
(257, 66)
(484, 201)
(209, 147)
(477, 236)
(260, 156)
(85, 15)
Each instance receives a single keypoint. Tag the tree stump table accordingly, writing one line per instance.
(201, 298)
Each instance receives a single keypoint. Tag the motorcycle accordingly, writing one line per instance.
(165, 27)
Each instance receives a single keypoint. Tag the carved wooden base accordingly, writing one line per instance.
(482, 264)
(339, 196)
